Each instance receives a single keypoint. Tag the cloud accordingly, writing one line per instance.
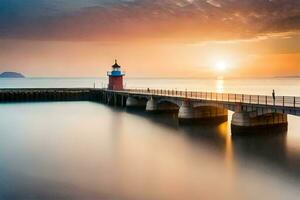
(112, 20)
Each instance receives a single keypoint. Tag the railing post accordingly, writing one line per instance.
(294, 102)
(266, 100)
(211, 96)
(186, 93)
(234, 97)
(257, 99)
(250, 99)
(283, 101)
(242, 98)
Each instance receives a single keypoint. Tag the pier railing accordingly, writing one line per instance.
(283, 101)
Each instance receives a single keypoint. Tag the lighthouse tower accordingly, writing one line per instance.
(115, 77)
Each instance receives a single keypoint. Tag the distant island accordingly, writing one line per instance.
(11, 75)
(287, 76)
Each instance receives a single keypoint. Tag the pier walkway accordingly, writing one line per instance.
(250, 111)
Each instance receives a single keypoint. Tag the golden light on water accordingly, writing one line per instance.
(220, 85)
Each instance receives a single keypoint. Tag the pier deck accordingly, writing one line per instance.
(249, 110)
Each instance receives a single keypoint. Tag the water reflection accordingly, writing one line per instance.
(267, 147)
(270, 150)
(15, 186)
(220, 85)
(102, 152)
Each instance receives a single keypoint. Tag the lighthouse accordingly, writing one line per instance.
(115, 77)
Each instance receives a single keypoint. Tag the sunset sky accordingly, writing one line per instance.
(151, 38)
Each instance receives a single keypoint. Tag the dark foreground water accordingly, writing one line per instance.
(85, 150)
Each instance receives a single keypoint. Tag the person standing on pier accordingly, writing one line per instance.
(273, 95)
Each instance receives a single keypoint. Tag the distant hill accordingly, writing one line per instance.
(287, 76)
(11, 75)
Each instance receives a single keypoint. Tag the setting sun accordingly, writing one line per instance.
(221, 65)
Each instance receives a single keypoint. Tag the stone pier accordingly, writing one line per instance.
(151, 105)
(190, 114)
(243, 122)
(251, 112)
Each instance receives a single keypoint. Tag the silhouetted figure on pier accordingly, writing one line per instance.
(273, 95)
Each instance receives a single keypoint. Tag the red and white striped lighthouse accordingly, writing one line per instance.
(115, 77)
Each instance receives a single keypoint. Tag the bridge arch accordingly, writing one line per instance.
(168, 105)
(136, 101)
(169, 101)
(202, 111)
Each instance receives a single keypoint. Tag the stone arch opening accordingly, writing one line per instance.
(135, 102)
(210, 111)
(155, 105)
(167, 105)
(202, 113)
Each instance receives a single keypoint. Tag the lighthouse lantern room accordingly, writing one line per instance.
(115, 77)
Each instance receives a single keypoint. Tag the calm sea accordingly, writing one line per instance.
(86, 150)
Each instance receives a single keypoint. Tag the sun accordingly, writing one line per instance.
(221, 65)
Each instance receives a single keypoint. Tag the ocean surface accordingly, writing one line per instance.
(86, 150)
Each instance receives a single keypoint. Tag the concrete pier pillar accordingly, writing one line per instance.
(151, 105)
(188, 113)
(243, 122)
(115, 100)
(132, 102)
(122, 101)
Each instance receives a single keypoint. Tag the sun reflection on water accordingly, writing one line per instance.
(220, 85)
